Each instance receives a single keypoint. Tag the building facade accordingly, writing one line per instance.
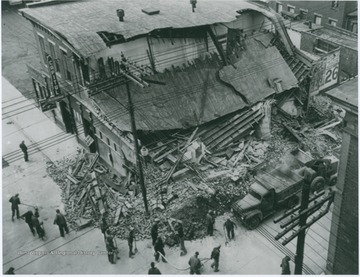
(341, 14)
(343, 254)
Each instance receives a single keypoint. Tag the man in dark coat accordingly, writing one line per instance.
(180, 233)
(37, 225)
(154, 270)
(61, 222)
(159, 247)
(24, 149)
(10, 271)
(195, 264)
(285, 266)
(111, 248)
(15, 202)
(28, 219)
(209, 223)
(215, 254)
(154, 231)
(131, 239)
(230, 226)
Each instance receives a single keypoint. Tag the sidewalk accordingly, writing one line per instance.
(251, 253)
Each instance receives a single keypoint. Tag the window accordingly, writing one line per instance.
(332, 22)
(279, 7)
(65, 65)
(291, 9)
(334, 4)
(43, 49)
(317, 19)
(108, 141)
(101, 136)
(54, 57)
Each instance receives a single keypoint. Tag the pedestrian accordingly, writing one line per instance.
(209, 223)
(159, 248)
(37, 225)
(195, 264)
(154, 270)
(24, 149)
(15, 202)
(154, 231)
(285, 266)
(131, 239)
(145, 155)
(61, 222)
(103, 226)
(37, 212)
(229, 225)
(28, 219)
(111, 248)
(180, 233)
(215, 254)
(10, 271)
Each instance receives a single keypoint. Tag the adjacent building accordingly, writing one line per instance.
(184, 65)
(343, 254)
(341, 14)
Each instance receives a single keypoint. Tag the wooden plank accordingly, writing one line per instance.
(101, 206)
(67, 190)
(72, 179)
(81, 195)
(292, 132)
(158, 159)
(97, 192)
(171, 158)
(83, 204)
(78, 167)
(171, 226)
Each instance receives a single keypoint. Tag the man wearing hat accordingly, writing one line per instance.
(61, 222)
(154, 231)
(230, 226)
(15, 202)
(285, 266)
(215, 254)
(209, 223)
(195, 264)
(131, 239)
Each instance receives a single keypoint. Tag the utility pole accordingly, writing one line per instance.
(303, 212)
(137, 150)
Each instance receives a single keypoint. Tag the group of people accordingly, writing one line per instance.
(32, 218)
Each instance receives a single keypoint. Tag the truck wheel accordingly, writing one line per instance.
(317, 184)
(253, 222)
(333, 180)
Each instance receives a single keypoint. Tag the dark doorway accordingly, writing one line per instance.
(66, 115)
(90, 131)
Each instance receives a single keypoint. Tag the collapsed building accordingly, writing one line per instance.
(202, 77)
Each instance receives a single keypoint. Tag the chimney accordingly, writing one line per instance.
(120, 13)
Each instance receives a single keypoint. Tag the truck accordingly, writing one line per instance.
(318, 172)
(270, 191)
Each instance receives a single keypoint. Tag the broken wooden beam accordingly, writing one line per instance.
(72, 179)
(292, 132)
(117, 215)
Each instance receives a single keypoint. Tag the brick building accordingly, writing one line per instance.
(343, 254)
(342, 14)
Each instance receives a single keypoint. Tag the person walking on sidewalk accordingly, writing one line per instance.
(61, 222)
(10, 271)
(195, 264)
(154, 231)
(209, 224)
(285, 266)
(230, 226)
(28, 219)
(215, 254)
(180, 233)
(111, 248)
(24, 149)
(15, 202)
(37, 225)
(153, 270)
(159, 248)
(131, 239)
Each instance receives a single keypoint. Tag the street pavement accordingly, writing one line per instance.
(253, 253)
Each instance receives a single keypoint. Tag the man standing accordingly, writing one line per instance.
(215, 254)
(61, 222)
(285, 266)
(230, 226)
(131, 239)
(111, 248)
(37, 224)
(154, 270)
(159, 248)
(154, 231)
(10, 271)
(15, 202)
(209, 223)
(28, 219)
(24, 149)
(180, 232)
(195, 264)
